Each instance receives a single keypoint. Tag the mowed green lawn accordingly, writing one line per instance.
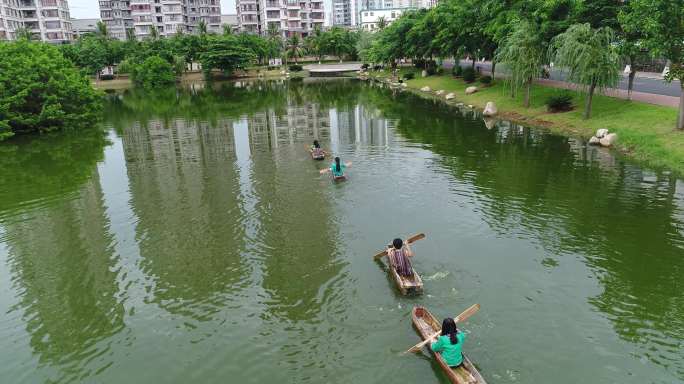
(645, 132)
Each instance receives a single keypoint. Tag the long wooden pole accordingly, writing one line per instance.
(410, 240)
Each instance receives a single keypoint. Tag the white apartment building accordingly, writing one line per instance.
(166, 16)
(289, 17)
(390, 10)
(46, 20)
(370, 17)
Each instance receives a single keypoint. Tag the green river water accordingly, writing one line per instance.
(197, 243)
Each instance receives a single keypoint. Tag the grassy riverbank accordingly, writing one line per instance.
(646, 132)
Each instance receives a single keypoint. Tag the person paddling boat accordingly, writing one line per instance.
(337, 169)
(317, 153)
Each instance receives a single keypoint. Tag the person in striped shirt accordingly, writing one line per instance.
(399, 254)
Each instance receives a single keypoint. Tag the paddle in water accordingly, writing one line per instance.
(410, 240)
(462, 317)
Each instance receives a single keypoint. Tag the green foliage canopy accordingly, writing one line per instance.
(41, 91)
(153, 72)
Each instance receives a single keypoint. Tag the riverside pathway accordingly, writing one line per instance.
(659, 92)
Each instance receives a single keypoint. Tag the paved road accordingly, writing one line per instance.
(641, 84)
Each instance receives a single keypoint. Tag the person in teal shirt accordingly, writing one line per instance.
(450, 343)
(337, 168)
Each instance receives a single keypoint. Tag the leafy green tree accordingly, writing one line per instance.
(662, 25)
(101, 30)
(364, 45)
(227, 29)
(590, 57)
(599, 13)
(256, 43)
(338, 42)
(391, 44)
(154, 72)
(92, 54)
(420, 38)
(41, 91)
(226, 54)
(522, 52)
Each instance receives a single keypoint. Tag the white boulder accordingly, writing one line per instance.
(490, 109)
(594, 141)
(608, 140)
(424, 73)
(450, 96)
(489, 122)
(601, 133)
(404, 85)
(440, 92)
(425, 89)
(470, 90)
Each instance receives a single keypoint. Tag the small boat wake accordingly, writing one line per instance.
(437, 276)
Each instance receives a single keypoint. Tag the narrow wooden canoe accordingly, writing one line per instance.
(426, 325)
(339, 178)
(407, 285)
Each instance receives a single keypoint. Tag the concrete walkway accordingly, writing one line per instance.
(337, 67)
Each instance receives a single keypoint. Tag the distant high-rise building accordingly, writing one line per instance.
(46, 20)
(287, 17)
(345, 13)
(141, 17)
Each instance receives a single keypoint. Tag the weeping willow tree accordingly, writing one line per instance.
(590, 57)
(522, 52)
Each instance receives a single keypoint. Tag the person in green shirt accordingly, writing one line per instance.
(450, 343)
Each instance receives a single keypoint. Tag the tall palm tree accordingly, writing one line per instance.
(294, 47)
(381, 23)
(130, 34)
(154, 33)
(202, 28)
(316, 43)
(273, 30)
(227, 29)
(23, 34)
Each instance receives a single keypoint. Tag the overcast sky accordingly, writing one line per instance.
(90, 9)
